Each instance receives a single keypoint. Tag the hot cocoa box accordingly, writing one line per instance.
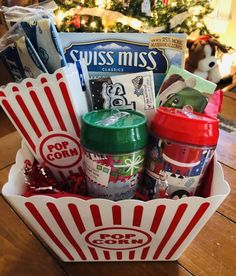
(108, 54)
(80, 230)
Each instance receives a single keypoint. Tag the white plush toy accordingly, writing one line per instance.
(202, 57)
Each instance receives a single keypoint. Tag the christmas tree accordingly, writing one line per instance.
(184, 16)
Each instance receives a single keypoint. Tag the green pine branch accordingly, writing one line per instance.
(162, 14)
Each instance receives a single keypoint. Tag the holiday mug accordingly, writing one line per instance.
(113, 143)
(181, 146)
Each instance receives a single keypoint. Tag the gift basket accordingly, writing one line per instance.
(110, 168)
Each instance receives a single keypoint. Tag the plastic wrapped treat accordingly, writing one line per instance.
(19, 56)
(42, 33)
(181, 146)
(114, 142)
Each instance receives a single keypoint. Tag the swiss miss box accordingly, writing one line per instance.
(94, 230)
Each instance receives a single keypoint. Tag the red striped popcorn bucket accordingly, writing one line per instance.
(103, 230)
(46, 112)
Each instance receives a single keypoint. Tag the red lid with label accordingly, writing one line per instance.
(185, 126)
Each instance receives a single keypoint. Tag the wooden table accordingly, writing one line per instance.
(213, 252)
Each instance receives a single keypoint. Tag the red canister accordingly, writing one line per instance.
(181, 146)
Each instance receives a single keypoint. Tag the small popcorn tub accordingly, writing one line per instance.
(79, 230)
(46, 112)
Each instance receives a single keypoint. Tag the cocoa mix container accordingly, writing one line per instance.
(181, 145)
(114, 142)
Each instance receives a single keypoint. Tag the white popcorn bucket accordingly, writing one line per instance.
(46, 111)
(102, 230)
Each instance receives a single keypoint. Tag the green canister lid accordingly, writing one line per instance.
(113, 131)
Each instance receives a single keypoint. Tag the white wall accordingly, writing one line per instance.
(229, 36)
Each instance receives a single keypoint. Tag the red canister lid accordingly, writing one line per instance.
(184, 126)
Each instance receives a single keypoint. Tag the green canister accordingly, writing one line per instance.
(114, 142)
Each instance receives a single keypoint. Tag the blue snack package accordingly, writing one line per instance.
(43, 35)
(11, 60)
(19, 56)
(16, 14)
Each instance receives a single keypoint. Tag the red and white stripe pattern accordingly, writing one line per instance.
(50, 104)
(65, 223)
(77, 229)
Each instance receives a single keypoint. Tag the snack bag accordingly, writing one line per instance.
(19, 56)
(42, 33)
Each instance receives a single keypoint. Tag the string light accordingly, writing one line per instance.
(93, 24)
(135, 24)
(59, 17)
(183, 17)
(189, 22)
(100, 3)
(197, 10)
(173, 4)
(199, 25)
(108, 4)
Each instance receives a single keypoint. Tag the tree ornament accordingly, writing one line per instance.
(179, 18)
(135, 15)
(86, 18)
(110, 18)
(146, 7)
(77, 21)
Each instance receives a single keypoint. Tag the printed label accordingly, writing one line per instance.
(109, 54)
(97, 172)
(148, 97)
(114, 96)
(113, 176)
(129, 91)
(60, 150)
(167, 42)
(118, 56)
(174, 170)
(118, 238)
